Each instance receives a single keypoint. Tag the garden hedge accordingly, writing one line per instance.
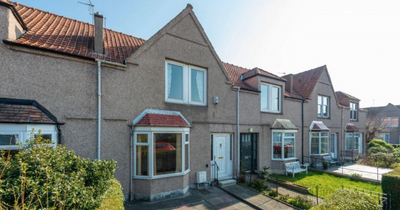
(42, 177)
(391, 184)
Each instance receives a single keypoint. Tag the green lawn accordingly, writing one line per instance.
(326, 183)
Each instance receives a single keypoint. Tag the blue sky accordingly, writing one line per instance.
(359, 40)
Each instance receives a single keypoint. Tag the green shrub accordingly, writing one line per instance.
(259, 184)
(113, 198)
(384, 159)
(391, 184)
(273, 193)
(355, 176)
(380, 143)
(284, 198)
(344, 199)
(374, 150)
(40, 176)
(301, 201)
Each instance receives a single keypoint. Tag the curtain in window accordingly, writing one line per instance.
(197, 86)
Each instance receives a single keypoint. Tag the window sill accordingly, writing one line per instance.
(162, 176)
(268, 112)
(183, 103)
(323, 154)
(324, 118)
(286, 159)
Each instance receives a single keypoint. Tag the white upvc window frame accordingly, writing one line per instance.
(353, 109)
(321, 115)
(18, 142)
(186, 84)
(319, 142)
(269, 98)
(150, 131)
(282, 144)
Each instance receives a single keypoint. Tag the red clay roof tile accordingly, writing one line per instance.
(151, 119)
(12, 113)
(304, 82)
(57, 33)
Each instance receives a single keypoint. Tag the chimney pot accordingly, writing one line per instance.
(98, 33)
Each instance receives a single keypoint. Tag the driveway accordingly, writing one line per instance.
(370, 172)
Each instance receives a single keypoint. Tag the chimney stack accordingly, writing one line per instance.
(98, 33)
(289, 83)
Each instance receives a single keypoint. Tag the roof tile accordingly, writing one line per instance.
(53, 32)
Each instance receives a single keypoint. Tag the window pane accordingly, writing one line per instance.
(175, 82)
(142, 160)
(277, 145)
(275, 98)
(394, 122)
(324, 145)
(197, 85)
(167, 153)
(46, 137)
(8, 139)
(289, 147)
(325, 111)
(264, 97)
(319, 100)
(355, 145)
(349, 138)
(187, 157)
(315, 145)
(319, 110)
(289, 134)
(141, 138)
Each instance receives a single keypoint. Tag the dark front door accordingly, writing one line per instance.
(248, 151)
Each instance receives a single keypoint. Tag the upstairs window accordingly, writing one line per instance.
(392, 122)
(323, 106)
(353, 111)
(270, 98)
(185, 84)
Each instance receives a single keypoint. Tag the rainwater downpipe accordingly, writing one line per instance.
(238, 129)
(302, 131)
(98, 108)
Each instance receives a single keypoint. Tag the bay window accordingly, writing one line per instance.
(161, 152)
(319, 142)
(7, 139)
(283, 146)
(270, 98)
(323, 106)
(185, 84)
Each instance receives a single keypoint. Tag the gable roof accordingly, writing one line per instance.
(24, 111)
(235, 72)
(304, 82)
(51, 32)
(344, 98)
(259, 72)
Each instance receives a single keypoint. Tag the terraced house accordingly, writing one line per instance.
(166, 109)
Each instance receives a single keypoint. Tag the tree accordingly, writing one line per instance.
(374, 126)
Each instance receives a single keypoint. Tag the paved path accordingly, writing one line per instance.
(255, 198)
(369, 172)
(211, 198)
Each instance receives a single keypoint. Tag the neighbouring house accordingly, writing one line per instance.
(388, 116)
(166, 109)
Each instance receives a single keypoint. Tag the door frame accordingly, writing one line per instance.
(335, 144)
(229, 154)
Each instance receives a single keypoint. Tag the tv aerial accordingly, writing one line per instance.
(90, 7)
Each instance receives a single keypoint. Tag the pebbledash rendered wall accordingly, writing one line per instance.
(67, 87)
